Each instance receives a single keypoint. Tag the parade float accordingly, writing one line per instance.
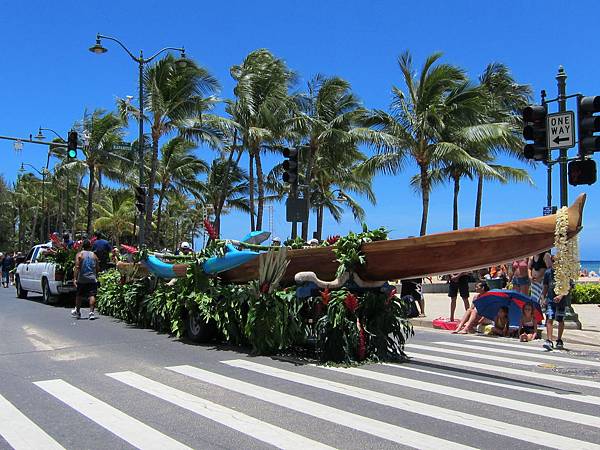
(335, 299)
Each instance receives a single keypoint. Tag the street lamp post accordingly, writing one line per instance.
(99, 49)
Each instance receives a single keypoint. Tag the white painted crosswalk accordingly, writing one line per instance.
(421, 388)
(366, 425)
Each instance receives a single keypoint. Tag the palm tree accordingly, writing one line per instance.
(231, 195)
(436, 101)
(336, 176)
(262, 104)
(506, 99)
(176, 99)
(115, 214)
(325, 120)
(178, 169)
(104, 131)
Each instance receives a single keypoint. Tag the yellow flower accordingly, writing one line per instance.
(566, 262)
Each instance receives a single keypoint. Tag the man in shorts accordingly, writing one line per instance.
(555, 310)
(85, 276)
(459, 283)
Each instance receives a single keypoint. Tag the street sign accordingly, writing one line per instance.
(548, 210)
(560, 132)
(122, 146)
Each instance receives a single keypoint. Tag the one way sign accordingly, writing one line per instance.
(559, 130)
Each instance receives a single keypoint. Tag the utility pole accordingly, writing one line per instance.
(548, 161)
(561, 79)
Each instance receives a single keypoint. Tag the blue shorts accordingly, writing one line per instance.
(555, 311)
(521, 281)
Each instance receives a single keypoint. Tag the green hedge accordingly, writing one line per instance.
(586, 293)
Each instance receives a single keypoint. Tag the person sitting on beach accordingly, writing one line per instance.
(501, 327)
(471, 319)
(528, 325)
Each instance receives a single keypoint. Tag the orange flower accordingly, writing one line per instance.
(325, 296)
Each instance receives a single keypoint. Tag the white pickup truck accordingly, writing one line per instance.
(41, 277)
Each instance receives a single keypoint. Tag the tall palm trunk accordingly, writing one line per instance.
(455, 203)
(260, 182)
(478, 202)
(33, 227)
(251, 188)
(309, 164)
(218, 208)
(90, 198)
(151, 182)
(161, 198)
(320, 214)
(76, 210)
(424, 198)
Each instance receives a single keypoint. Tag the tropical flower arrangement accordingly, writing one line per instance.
(566, 262)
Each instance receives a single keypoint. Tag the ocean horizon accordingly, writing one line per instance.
(590, 265)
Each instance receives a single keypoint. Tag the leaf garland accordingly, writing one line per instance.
(348, 249)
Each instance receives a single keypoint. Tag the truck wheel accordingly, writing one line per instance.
(21, 293)
(46, 294)
(199, 330)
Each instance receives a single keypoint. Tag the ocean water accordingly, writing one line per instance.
(591, 265)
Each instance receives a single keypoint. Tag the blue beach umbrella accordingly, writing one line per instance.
(489, 303)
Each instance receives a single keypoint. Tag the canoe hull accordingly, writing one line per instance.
(433, 254)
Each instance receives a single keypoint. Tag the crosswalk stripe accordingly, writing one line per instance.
(592, 400)
(367, 425)
(248, 425)
(477, 397)
(20, 432)
(127, 428)
(544, 356)
(450, 351)
(528, 349)
(500, 342)
(503, 370)
(436, 412)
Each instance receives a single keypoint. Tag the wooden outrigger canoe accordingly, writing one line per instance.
(434, 254)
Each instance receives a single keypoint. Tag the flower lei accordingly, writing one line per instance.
(566, 262)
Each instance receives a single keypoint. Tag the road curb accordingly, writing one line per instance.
(428, 323)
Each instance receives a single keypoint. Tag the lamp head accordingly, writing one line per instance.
(98, 48)
(40, 136)
(182, 62)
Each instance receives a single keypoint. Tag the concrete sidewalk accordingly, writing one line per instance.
(438, 305)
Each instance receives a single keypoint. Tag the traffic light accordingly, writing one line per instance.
(290, 165)
(582, 172)
(588, 124)
(534, 131)
(72, 145)
(140, 199)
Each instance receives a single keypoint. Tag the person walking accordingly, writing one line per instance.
(459, 283)
(555, 306)
(8, 264)
(102, 249)
(85, 276)
(414, 288)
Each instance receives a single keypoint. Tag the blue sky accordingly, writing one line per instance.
(48, 77)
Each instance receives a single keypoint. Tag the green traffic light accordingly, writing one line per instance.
(72, 154)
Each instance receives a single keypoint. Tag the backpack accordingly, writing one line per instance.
(411, 306)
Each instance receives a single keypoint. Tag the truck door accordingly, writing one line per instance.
(25, 275)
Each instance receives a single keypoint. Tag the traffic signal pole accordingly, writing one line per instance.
(561, 79)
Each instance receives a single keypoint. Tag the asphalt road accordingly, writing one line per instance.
(95, 385)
